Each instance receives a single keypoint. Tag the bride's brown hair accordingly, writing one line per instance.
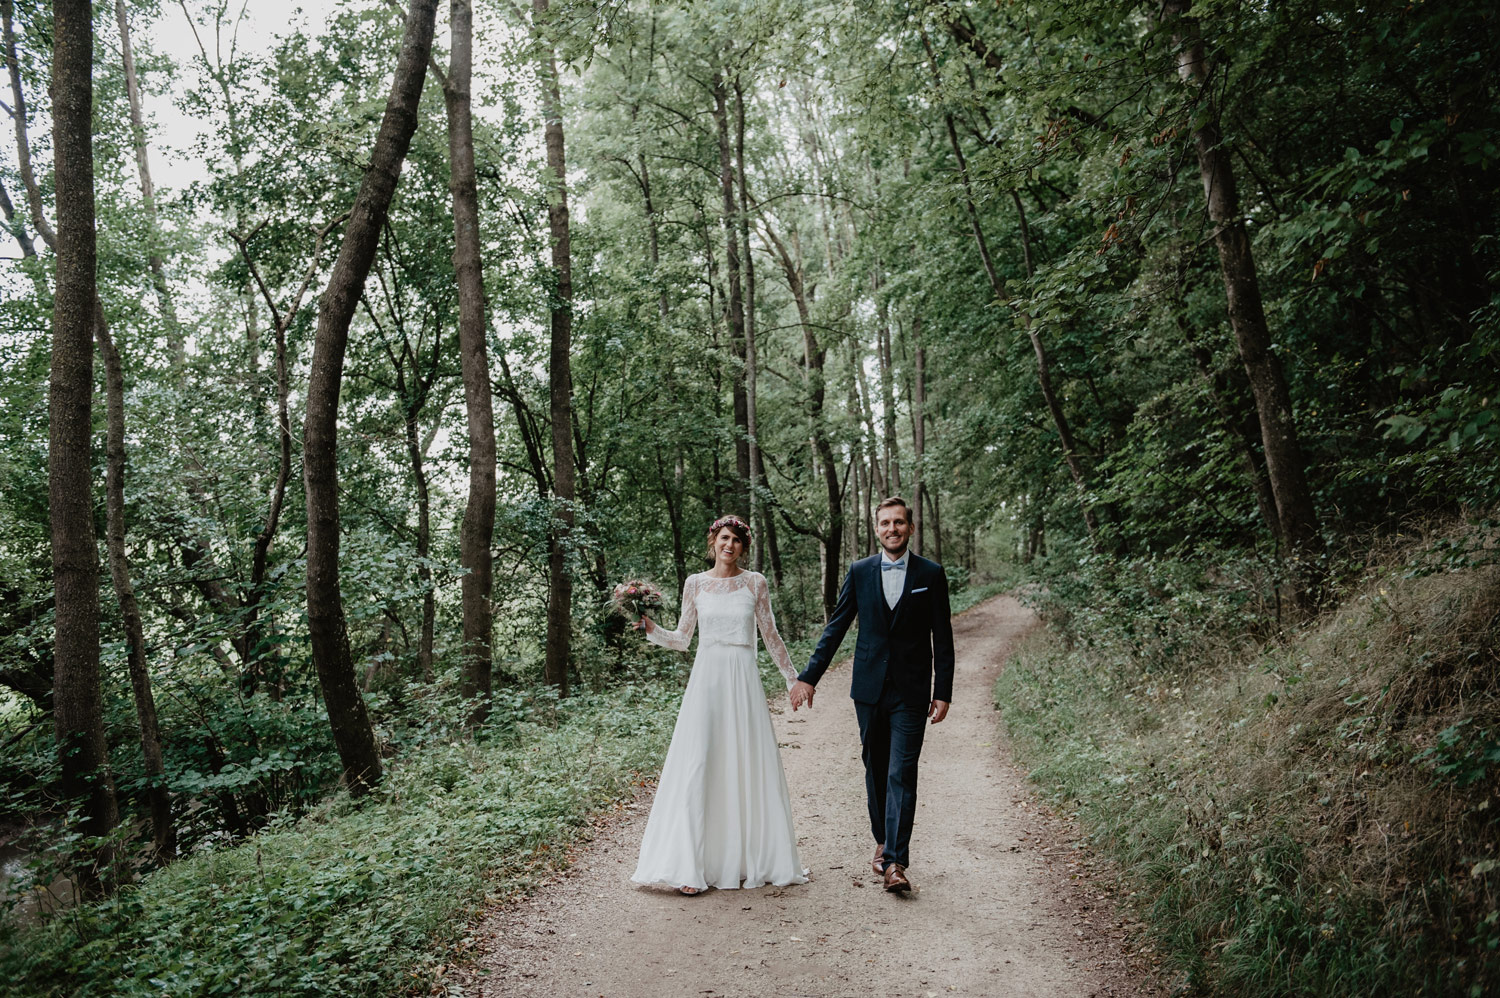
(736, 526)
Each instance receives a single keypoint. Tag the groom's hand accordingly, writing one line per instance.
(937, 711)
(802, 693)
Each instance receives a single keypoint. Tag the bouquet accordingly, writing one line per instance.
(634, 598)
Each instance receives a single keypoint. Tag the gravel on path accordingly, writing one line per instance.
(1007, 903)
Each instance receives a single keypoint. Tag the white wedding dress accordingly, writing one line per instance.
(722, 815)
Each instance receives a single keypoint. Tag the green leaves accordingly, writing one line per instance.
(1461, 754)
(353, 899)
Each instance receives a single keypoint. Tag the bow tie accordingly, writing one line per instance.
(893, 566)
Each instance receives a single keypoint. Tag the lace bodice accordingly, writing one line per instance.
(730, 610)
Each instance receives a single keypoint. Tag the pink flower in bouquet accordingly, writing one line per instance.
(634, 598)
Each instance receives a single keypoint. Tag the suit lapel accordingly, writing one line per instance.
(877, 593)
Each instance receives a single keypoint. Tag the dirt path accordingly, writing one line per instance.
(1004, 903)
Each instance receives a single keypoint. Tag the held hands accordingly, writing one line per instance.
(937, 711)
(802, 695)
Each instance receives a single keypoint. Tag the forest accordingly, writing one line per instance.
(1180, 318)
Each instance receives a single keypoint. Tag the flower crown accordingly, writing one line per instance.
(728, 521)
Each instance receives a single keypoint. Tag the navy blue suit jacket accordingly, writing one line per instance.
(912, 646)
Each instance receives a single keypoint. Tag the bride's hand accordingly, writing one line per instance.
(645, 624)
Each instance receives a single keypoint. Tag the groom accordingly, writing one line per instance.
(905, 639)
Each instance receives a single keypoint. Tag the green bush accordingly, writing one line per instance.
(357, 897)
(1312, 816)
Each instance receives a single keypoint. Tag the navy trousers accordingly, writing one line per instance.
(891, 732)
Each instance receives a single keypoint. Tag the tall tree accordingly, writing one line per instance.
(257, 654)
(415, 377)
(479, 514)
(559, 367)
(752, 361)
(1285, 463)
(919, 433)
(19, 117)
(735, 303)
(225, 67)
(327, 626)
(163, 831)
(164, 836)
(885, 361)
(814, 357)
(1043, 361)
(77, 703)
(175, 338)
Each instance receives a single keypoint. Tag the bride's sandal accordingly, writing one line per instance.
(690, 891)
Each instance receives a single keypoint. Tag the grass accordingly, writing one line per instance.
(1311, 816)
(972, 596)
(370, 897)
(360, 898)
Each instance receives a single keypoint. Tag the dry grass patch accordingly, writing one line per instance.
(1310, 816)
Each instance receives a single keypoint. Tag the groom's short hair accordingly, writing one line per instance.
(893, 501)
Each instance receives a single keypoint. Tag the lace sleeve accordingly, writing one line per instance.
(766, 621)
(678, 640)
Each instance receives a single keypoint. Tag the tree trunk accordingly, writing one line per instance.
(963, 173)
(867, 416)
(1243, 426)
(327, 627)
(1285, 463)
(866, 400)
(739, 498)
(773, 549)
(919, 433)
(175, 338)
(653, 236)
(424, 535)
(671, 493)
(888, 414)
(1044, 370)
(256, 655)
(77, 703)
(831, 538)
(560, 583)
(757, 470)
(1036, 530)
(479, 515)
(1064, 433)
(864, 461)
(23, 146)
(260, 555)
(413, 393)
(937, 525)
(163, 833)
(17, 226)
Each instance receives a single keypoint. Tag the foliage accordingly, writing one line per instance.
(1312, 816)
(363, 898)
(938, 200)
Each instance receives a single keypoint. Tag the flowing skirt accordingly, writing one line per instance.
(722, 815)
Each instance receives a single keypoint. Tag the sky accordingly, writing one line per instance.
(259, 24)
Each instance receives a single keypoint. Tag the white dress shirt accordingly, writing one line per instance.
(893, 580)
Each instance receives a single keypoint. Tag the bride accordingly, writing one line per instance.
(722, 815)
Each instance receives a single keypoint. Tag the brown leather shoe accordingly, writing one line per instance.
(895, 878)
(877, 864)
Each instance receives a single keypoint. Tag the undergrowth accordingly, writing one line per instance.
(1307, 815)
(371, 897)
(364, 897)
